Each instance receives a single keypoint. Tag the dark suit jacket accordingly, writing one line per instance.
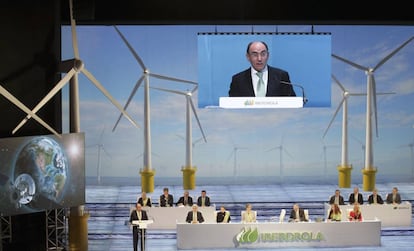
(397, 198)
(242, 84)
(149, 204)
(352, 200)
(189, 201)
(371, 199)
(206, 202)
(301, 215)
(166, 201)
(189, 218)
(134, 216)
(341, 200)
(220, 217)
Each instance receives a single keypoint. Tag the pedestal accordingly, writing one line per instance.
(143, 225)
(344, 176)
(189, 177)
(147, 180)
(368, 179)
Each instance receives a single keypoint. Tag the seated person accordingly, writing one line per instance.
(248, 215)
(166, 199)
(194, 216)
(297, 214)
(223, 216)
(337, 198)
(355, 214)
(203, 200)
(185, 200)
(394, 197)
(144, 200)
(356, 197)
(335, 213)
(375, 198)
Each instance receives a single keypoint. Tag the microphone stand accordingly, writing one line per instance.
(305, 100)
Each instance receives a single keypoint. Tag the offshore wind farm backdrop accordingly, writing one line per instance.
(241, 144)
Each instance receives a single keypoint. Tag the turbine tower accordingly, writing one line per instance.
(147, 172)
(281, 167)
(369, 171)
(188, 169)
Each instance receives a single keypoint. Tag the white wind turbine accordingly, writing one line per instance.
(234, 154)
(101, 149)
(281, 151)
(325, 158)
(371, 109)
(190, 108)
(73, 67)
(146, 74)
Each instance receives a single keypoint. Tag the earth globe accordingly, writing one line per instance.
(40, 172)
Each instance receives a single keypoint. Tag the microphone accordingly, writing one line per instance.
(305, 99)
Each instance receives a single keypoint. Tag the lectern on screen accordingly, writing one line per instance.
(40, 173)
(305, 56)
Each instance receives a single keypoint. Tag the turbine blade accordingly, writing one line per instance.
(134, 53)
(106, 93)
(172, 79)
(392, 53)
(374, 103)
(24, 108)
(52, 93)
(350, 63)
(338, 83)
(196, 116)
(134, 90)
(73, 28)
(168, 90)
(333, 117)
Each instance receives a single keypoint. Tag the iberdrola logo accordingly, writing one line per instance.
(247, 235)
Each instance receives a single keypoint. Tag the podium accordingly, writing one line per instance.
(261, 102)
(142, 225)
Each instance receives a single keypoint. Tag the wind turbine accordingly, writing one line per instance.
(234, 154)
(281, 150)
(371, 109)
(101, 149)
(411, 146)
(325, 158)
(147, 172)
(188, 170)
(74, 67)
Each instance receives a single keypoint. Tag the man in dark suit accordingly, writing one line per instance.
(194, 216)
(203, 200)
(166, 199)
(337, 198)
(356, 196)
(138, 234)
(260, 80)
(185, 200)
(394, 197)
(297, 214)
(375, 198)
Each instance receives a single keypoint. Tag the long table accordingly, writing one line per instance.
(166, 218)
(274, 235)
(390, 215)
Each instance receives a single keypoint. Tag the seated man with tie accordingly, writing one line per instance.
(185, 200)
(194, 216)
(337, 198)
(223, 216)
(203, 200)
(297, 214)
(260, 80)
(138, 234)
(375, 198)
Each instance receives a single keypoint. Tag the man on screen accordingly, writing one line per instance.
(260, 80)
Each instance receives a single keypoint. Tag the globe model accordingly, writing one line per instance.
(42, 162)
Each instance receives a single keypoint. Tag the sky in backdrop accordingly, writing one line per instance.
(257, 142)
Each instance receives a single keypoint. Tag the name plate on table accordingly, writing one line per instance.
(261, 102)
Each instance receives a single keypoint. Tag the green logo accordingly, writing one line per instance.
(247, 235)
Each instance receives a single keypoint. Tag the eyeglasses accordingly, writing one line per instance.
(257, 54)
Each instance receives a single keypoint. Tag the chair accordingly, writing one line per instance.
(282, 215)
(244, 211)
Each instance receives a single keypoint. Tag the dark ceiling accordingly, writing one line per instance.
(238, 12)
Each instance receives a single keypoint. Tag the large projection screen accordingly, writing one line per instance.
(306, 56)
(39, 173)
